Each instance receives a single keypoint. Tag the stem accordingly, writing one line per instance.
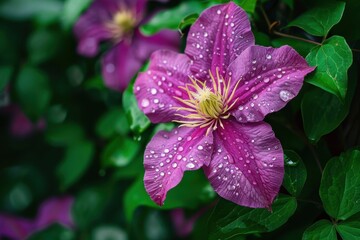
(295, 37)
(310, 201)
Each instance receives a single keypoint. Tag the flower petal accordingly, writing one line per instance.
(169, 154)
(55, 210)
(90, 29)
(119, 65)
(269, 78)
(247, 164)
(146, 45)
(155, 89)
(219, 35)
(14, 227)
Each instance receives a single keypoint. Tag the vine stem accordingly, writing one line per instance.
(271, 30)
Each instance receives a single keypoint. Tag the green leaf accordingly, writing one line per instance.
(120, 152)
(350, 228)
(187, 21)
(171, 18)
(247, 5)
(89, 204)
(319, 20)
(340, 185)
(322, 229)
(322, 112)
(303, 48)
(77, 159)
(33, 91)
(25, 9)
(332, 59)
(42, 45)
(229, 219)
(53, 232)
(112, 122)
(295, 173)
(65, 134)
(138, 121)
(5, 74)
(72, 10)
(192, 190)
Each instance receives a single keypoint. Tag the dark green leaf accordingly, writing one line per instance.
(120, 152)
(340, 185)
(247, 5)
(261, 38)
(25, 9)
(76, 161)
(322, 229)
(171, 18)
(332, 60)
(229, 219)
(5, 74)
(109, 232)
(322, 112)
(303, 48)
(350, 228)
(138, 121)
(192, 190)
(72, 10)
(89, 204)
(112, 122)
(53, 232)
(319, 20)
(42, 45)
(295, 173)
(33, 91)
(64, 134)
(187, 21)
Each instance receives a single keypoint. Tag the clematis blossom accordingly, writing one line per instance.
(219, 91)
(117, 21)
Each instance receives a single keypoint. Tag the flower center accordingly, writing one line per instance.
(207, 106)
(123, 23)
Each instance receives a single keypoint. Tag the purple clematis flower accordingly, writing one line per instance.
(53, 210)
(220, 90)
(117, 21)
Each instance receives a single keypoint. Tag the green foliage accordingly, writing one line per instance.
(33, 91)
(72, 10)
(332, 59)
(295, 173)
(350, 228)
(55, 232)
(137, 119)
(322, 229)
(230, 219)
(340, 185)
(181, 196)
(177, 17)
(319, 20)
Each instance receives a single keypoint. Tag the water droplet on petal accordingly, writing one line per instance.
(145, 102)
(174, 165)
(268, 56)
(153, 91)
(200, 147)
(285, 95)
(190, 165)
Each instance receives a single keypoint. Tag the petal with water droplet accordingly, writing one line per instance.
(247, 179)
(165, 163)
(275, 81)
(222, 29)
(167, 71)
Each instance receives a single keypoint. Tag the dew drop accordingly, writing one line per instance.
(266, 80)
(153, 91)
(174, 165)
(218, 12)
(231, 187)
(190, 165)
(200, 147)
(268, 56)
(285, 95)
(145, 102)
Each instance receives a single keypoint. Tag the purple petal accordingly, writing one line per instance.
(15, 227)
(219, 35)
(269, 78)
(247, 164)
(90, 29)
(169, 154)
(155, 89)
(55, 210)
(146, 45)
(119, 65)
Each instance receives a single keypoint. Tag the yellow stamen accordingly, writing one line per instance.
(207, 106)
(123, 22)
